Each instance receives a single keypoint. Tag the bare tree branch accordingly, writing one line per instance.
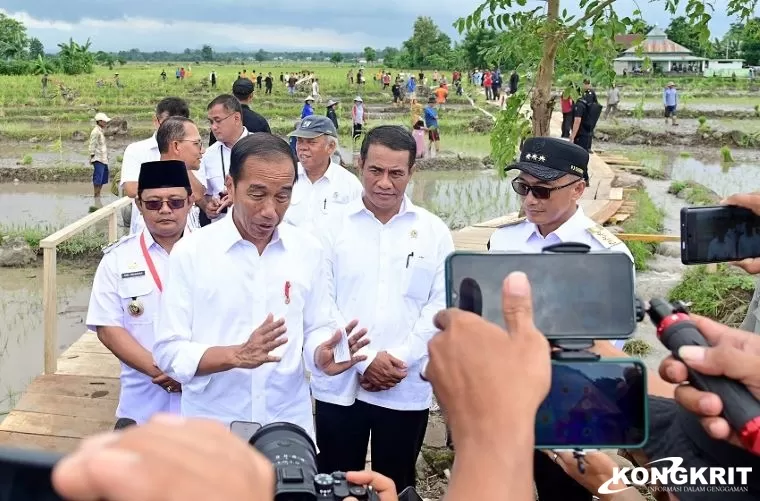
(590, 14)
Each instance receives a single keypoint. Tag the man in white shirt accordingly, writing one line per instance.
(127, 287)
(553, 176)
(387, 269)
(146, 150)
(323, 186)
(235, 287)
(225, 116)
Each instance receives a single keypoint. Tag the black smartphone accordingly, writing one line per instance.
(594, 405)
(244, 429)
(578, 296)
(719, 234)
(25, 475)
(409, 494)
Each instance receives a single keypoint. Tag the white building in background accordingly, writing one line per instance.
(665, 55)
(725, 68)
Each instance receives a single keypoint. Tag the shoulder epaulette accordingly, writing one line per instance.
(109, 247)
(603, 236)
(513, 222)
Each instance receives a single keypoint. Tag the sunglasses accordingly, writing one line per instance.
(173, 203)
(540, 192)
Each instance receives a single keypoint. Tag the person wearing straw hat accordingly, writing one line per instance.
(670, 100)
(359, 117)
(308, 107)
(99, 153)
(331, 113)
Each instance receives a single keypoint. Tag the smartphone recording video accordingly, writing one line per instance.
(718, 234)
(578, 296)
(594, 405)
(244, 429)
(26, 475)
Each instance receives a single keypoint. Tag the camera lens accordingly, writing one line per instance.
(294, 456)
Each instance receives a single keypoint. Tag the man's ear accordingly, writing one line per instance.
(228, 183)
(412, 169)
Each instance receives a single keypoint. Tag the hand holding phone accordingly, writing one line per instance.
(719, 234)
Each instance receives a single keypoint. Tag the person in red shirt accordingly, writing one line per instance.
(567, 114)
(487, 85)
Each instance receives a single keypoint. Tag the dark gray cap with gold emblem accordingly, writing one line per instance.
(550, 158)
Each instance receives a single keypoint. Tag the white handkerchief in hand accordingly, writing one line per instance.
(342, 352)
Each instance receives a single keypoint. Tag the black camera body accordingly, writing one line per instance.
(290, 449)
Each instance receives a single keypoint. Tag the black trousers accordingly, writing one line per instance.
(583, 141)
(553, 484)
(343, 433)
(567, 124)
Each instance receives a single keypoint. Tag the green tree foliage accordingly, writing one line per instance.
(13, 39)
(547, 41)
(390, 55)
(207, 53)
(336, 58)
(36, 49)
(428, 47)
(261, 55)
(76, 59)
(682, 31)
(480, 46)
(750, 42)
(370, 54)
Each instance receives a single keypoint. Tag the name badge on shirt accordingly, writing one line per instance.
(133, 274)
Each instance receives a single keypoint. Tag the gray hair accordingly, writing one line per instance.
(172, 129)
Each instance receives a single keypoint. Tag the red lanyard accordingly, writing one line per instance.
(149, 262)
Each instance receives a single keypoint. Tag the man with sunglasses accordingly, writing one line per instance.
(553, 176)
(128, 284)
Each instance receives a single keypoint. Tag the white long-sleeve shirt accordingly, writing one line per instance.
(218, 291)
(311, 204)
(391, 278)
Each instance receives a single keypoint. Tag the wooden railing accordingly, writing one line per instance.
(49, 248)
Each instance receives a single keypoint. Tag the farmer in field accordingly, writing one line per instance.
(670, 100)
(44, 84)
(359, 117)
(99, 154)
(308, 107)
(331, 113)
(431, 123)
(268, 83)
(613, 100)
(127, 286)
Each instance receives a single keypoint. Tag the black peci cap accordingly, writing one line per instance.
(242, 87)
(550, 158)
(163, 174)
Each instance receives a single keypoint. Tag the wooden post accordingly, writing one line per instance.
(50, 309)
(113, 226)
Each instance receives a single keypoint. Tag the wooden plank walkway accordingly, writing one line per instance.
(80, 399)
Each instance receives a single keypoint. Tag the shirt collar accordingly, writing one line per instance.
(357, 206)
(230, 235)
(245, 133)
(329, 174)
(566, 232)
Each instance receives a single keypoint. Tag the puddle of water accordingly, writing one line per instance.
(21, 331)
(463, 198)
(724, 179)
(47, 204)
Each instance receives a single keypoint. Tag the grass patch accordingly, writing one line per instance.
(637, 348)
(648, 219)
(87, 244)
(723, 296)
(694, 193)
(64, 173)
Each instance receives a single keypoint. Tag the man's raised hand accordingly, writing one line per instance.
(256, 351)
(324, 356)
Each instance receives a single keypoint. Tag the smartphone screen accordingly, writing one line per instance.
(25, 475)
(718, 234)
(579, 296)
(601, 404)
(244, 429)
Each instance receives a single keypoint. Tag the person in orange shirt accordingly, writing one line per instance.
(441, 93)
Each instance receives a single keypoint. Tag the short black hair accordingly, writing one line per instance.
(262, 145)
(173, 107)
(395, 137)
(172, 129)
(228, 101)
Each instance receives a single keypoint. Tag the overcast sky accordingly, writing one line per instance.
(346, 25)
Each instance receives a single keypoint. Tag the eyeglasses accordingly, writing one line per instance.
(217, 121)
(540, 192)
(196, 142)
(173, 203)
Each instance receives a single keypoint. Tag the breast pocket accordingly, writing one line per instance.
(138, 301)
(418, 279)
(290, 306)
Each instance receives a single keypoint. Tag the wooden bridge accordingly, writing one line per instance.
(78, 392)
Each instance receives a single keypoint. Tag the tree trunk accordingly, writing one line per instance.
(542, 101)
